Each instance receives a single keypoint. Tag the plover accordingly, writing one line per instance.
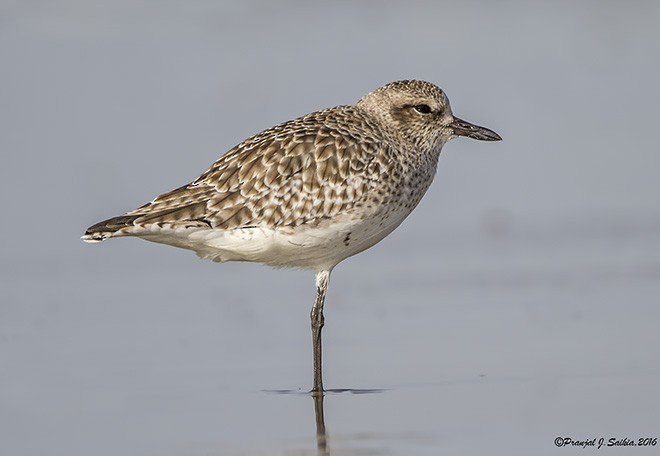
(310, 192)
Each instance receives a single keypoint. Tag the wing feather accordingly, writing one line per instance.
(299, 172)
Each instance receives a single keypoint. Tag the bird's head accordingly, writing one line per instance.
(419, 112)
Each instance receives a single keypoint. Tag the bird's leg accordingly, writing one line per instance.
(318, 320)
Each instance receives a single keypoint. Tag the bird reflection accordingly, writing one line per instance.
(321, 436)
(322, 447)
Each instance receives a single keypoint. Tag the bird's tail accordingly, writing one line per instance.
(108, 228)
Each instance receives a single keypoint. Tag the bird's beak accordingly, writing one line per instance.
(463, 128)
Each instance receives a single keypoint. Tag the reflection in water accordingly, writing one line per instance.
(321, 436)
(319, 414)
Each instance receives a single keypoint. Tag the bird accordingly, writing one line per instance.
(310, 192)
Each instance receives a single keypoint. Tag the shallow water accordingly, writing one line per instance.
(553, 341)
(518, 303)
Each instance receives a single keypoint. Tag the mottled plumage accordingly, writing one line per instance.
(312, 191)
(344, 167)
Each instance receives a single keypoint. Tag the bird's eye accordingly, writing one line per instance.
(422, 109)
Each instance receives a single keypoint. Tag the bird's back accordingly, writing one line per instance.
(327, 166)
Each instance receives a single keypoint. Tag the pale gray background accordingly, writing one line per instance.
(517, 304)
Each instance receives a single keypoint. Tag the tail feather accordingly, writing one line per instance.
(107, 228)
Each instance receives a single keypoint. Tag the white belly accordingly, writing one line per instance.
(319, 247)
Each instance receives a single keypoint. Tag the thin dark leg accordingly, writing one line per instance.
(318, 320)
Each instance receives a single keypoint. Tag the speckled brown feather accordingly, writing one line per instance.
(299, 172)
(372, 162)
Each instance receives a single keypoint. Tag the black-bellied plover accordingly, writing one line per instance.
(310, 192)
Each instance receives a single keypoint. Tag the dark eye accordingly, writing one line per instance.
(422, 109)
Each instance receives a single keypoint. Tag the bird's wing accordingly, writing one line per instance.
(289, 175)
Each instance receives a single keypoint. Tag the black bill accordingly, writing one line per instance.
(463, 128)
